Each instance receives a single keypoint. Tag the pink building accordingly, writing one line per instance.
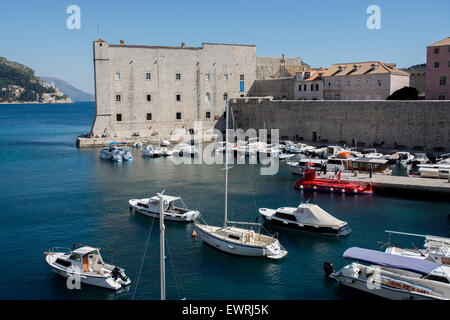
(438, 71)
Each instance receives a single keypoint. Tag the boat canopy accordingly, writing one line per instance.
(166, 199)
(313, 214)
(119, 143)
(420, 266)
(370, 160)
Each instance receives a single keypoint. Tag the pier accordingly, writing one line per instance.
(412, 186)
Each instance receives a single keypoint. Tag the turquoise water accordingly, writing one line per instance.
(53, 194)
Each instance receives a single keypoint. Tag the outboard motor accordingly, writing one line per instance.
(118, 273)
(328, 267)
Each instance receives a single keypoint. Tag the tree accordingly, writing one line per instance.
(405, 93)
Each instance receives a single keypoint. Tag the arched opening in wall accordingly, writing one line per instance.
(314, 136)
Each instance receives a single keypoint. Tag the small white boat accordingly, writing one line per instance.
(404, 158)
(392, 276)
(285, 156)
(151, 151)
(306, 217)
(117, 151)
(436, 249)
(137, 145)
(164, 143)
(187, 150)
(268, 151)
(150, 207)
(86, 265)
(372, 154)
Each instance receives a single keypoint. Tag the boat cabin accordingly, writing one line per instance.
(363, 164)
(87, 259)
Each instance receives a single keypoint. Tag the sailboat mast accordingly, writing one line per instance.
(226, 166)
(161, 247)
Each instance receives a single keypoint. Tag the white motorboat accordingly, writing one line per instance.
(239, 240)
(86, 265)
(164, 143)
(392, 276)
(187, 150)
(137, 145)
(268, 151)
(117, 151)
(222, 147)
(404, 158)
(151, 151)
(299, 167)
(111, 153)
(372, 154)
(306, 217)
(436, 249)
(285, 156)
(172, 211)
(420, 158)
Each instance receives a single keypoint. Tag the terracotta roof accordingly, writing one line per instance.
(363, 68)
(315, 75)
(443, 42)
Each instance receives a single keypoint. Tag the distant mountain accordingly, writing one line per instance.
(69, 90)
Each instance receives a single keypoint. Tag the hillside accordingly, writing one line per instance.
(19, 83)
(69, 90)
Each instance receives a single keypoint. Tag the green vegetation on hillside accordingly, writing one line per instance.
(16, 74)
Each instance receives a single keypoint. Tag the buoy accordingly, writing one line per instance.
(331, 189)
(194, 234)
(301, 187)
(343, 190)
(354, 191)
(314, 187)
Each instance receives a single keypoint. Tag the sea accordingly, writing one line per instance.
(54, 194)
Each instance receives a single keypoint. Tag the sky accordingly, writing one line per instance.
(321, 33)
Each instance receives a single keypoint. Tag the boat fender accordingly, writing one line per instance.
(343, 190)
(331, 189)
(355, 191)
(314, 187)
(194, 234)
(301, 187)
(328, 267)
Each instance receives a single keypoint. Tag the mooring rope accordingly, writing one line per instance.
(143, 257)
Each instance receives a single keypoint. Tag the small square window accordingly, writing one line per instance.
(436, 64)
(178, 97)
(449, 64)
(207, 97)
(118, 117)
(118, 98)
(225, 96)
(149, 97)
(443, 81)
(117, 75)
(207, 76)
(178, 76)
(225, 77)
(441, 97)
(208, 115)
(178, 115)
(148, 76)
(348, 83)
(242, 77)
(379, 83)
(436, 50)
(149, 116)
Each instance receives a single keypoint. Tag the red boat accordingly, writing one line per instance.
(310, 182)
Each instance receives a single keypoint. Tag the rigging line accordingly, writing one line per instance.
(252, 191)
(143, 257)
(178, 283)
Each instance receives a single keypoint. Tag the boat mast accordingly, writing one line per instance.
(226, 166)
(161, 246)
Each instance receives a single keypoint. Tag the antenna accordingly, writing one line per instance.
(98, 31)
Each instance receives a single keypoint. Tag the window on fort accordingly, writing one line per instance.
(317, 87)
(149, 116)
(208, 115)
(368, 83)
(178, 97)
(149, 97)
(358, 83)
(436, 50)
(436, 64)
(441, 97)
(443, 81)
(304, 87)
(207, 76)
(118, 117)
(225, 96)
(178, 76)
(148, 76)
(357, 97)
(242, 77)
(117, 75)
(449, 64)
(312, 87)
(348, 83)
(329, 85)
(300, 87)
(207, 97)
(178, 115)
(225, 77)
(118, 97)
(379, 83)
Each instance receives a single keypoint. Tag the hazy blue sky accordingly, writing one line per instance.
(320, 32)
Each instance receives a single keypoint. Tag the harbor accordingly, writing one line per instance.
(83, 198)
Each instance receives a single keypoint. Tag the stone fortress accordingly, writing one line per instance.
(151, 92)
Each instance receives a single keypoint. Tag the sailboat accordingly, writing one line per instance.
(239, 240)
